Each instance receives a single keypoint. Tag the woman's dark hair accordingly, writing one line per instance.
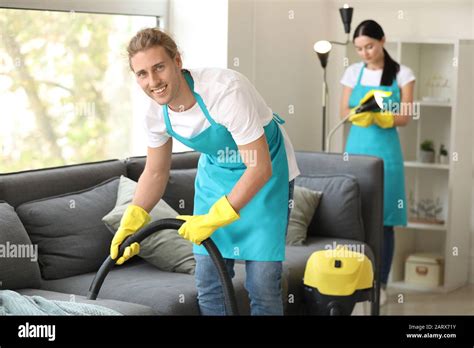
(372, 29)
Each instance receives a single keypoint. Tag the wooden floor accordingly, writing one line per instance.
(458, 302)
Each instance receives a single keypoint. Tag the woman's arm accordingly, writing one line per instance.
(256, 157)
(344, 107)
(402, 118)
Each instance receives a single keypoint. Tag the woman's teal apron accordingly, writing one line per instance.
(383, 143)
(260, 233)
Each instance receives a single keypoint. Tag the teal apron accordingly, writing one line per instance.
(384, 143)
(260, 233)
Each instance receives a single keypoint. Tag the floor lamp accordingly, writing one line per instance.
(322, 49)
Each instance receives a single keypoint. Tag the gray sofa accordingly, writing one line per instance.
(350, 212)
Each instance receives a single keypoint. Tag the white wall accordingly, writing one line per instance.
(275, 51)
(272, 41)
(200, 30)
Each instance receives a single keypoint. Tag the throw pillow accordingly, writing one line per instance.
(166, 250)
(18, 257)
(305, 202)
(68, 230)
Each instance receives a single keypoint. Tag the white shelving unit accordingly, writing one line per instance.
(443, 94)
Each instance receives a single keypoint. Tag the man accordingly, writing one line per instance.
(242, 203)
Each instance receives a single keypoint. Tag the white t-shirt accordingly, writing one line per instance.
(231, 100)
(374, 77)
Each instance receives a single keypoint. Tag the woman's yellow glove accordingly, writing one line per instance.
(133, 219)
(384, 119)
(364, 119)
(200, 227)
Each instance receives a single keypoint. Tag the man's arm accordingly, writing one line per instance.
(256, 157)
(153, 181)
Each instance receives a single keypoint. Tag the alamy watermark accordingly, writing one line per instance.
(402, 108)
(346, 250)
(228, 155)
(20, 251)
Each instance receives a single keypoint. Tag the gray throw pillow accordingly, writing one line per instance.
(68, 230)
(339, 212)
(18, 257)
(166, 250)
(305, 202)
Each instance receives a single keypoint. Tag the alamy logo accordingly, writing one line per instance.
(37, 331)
(228, 155)
(20, 251)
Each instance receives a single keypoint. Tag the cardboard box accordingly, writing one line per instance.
(424, 269)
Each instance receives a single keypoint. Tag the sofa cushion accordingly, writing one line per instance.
(168, 293)
(339, 212)
(166, 250)
(179, 192)
(305, 202)
(18, 256)
(68, 229)
(124, 308)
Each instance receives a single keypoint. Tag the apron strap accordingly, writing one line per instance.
(278, 118)
(202, 106)
(360, 74)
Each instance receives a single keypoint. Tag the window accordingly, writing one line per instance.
(66, 92)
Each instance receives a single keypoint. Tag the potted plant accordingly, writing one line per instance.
(443, 155)
(427, 153)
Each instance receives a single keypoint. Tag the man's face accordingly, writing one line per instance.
(157, 73)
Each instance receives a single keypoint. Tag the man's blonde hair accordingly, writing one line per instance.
(150, 37)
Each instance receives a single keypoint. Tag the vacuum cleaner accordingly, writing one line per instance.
(156, 227)
(335, 280)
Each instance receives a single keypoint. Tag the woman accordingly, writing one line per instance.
(241, 202)
(375, 133)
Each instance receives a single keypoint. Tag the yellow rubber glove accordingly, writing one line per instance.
(384, 119)
(133, 219)
(364, 119)
(200, 227)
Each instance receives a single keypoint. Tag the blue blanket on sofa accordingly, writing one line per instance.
(12, 303)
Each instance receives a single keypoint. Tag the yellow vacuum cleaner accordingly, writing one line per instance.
(335, 280)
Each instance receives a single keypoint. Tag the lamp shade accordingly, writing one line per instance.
(322, 48)
(346, 16)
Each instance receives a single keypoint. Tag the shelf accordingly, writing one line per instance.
(401, 285)
(444, 104)
(421, 226)
(416, 164)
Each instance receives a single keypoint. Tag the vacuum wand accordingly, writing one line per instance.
(371, 105)
(155, 227)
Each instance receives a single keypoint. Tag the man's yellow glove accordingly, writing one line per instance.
(200, 227)
(133, 219)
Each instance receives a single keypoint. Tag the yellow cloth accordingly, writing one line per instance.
(200, 227)
(133, 219)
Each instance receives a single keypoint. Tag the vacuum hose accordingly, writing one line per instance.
(156, 227)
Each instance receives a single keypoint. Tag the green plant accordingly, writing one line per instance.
(443, 151)
(427, 145)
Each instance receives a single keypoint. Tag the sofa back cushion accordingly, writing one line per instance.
(18, 256)
(26, 186)
(179, 193)
(68, 229)
(339, 211)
